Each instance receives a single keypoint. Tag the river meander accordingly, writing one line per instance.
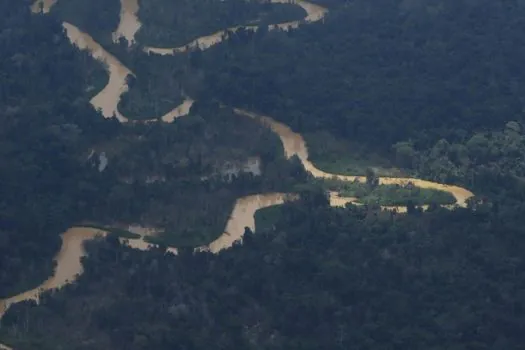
(68, 265)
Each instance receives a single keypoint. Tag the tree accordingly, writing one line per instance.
(372, 180)
(405, 154)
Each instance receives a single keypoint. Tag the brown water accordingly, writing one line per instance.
(129, 23)
(243, 216)
(108, 98)
(68, 264)
(45, 5)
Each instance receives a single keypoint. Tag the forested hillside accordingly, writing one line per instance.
(382, 72)
(52, 140)
(322, 278)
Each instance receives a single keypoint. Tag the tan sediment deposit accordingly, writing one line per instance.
(42, 5)
(129, 23)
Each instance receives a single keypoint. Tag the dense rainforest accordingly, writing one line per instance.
(168, 23)
(47, 124)
(427, 88)
(320, 278)
(54, 144)
(378, 73)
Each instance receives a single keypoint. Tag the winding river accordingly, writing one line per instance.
(68, 265)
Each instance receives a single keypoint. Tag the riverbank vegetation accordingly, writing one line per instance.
(265, 218)
(167, 23)
(338, 155)
(372, 193)
(53, 142)
(137, 104)
(338, 268)
(157, 85)
(381, 73)
(489, 161)
(182, 169)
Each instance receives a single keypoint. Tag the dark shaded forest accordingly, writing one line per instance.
(326, 278)
(173, 23)
(99, 18)
(381, 73)
(47, 124)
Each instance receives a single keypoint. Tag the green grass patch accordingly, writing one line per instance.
(189, 238)
(389, 194)
(267, 217)
(339, 156)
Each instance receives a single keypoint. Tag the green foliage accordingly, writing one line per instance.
(489, 162)
(381, 72)
(191, 172)
(169, 23)
(337, 155)
(137, 104)
(389, 194)
(47, 125)
(99, 18)
(265, 218)
(52, 139)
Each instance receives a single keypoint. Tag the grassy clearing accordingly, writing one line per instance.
(265, 218)
(183, 239)
(389, 194)
(338, 156)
